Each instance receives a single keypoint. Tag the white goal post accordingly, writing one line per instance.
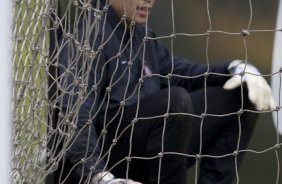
(277, 67)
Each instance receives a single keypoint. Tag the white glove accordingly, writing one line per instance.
(108, 178)
(260, 93)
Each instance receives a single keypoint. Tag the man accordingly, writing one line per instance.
(143, 115)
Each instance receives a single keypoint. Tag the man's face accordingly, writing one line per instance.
(135, 10)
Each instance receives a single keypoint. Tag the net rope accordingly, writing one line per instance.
(40, 141)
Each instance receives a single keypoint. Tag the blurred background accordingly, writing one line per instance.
(231, 16)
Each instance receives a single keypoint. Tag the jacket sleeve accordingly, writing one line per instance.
(81, 80)
(193, 74)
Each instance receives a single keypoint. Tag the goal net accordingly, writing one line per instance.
(51, 89)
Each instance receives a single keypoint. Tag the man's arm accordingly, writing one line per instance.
(81, 83)
(194, 77)
(194, 73)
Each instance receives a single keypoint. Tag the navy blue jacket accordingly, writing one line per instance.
(101, 67)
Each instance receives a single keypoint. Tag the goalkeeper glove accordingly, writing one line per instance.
(259, 91)
(108, 178)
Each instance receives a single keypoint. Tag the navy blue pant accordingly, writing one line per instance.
(181, 135)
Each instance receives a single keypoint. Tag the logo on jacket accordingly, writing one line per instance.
(123, 62)
(147, 70)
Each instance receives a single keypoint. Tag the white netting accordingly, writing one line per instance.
(43, 126)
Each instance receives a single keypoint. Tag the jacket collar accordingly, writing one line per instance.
(117, 24)
(114, 23)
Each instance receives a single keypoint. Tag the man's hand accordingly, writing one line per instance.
(260, 93)
(108, 178)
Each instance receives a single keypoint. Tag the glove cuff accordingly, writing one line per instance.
(238, 66)
(234, 64)
(102, 178)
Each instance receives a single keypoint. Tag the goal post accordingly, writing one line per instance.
(5, 92)
(277, 67)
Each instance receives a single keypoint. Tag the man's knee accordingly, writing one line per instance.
(180, 101)
(242, 100)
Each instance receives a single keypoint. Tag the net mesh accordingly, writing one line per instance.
(44, 127)
(30, 101)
